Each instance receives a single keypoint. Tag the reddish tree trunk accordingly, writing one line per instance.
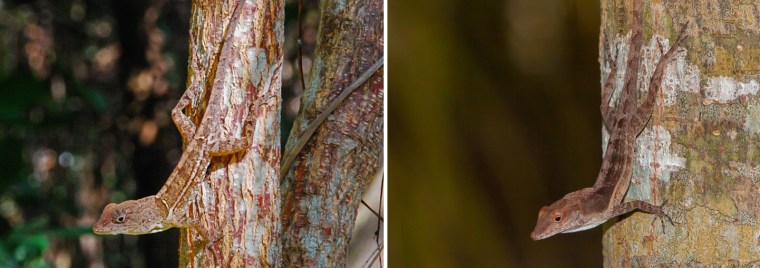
(239, 200)
(323, 189)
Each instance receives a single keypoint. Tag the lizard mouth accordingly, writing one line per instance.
(99, 231)
(157, 228)
(535, 236)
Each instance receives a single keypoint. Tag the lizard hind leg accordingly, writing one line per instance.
(644, 111)
(182, 121)
(608, 88)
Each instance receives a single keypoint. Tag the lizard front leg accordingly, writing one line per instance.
(629, 206)
(194, 220)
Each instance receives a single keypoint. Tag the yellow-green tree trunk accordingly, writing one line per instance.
(700, 151)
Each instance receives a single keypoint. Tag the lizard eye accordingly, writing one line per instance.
(557, 217)
(119, 216)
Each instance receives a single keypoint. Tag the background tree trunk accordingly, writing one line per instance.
(239, 198)
(323, 189)
(700, 149)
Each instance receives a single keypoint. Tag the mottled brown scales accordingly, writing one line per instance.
(592, 206)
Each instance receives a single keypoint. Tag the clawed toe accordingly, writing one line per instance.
(660, 214)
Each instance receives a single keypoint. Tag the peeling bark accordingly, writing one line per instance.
(700, 149)
(323, 189)
(239, 199)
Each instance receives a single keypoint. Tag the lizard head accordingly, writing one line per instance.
(132, 217)
(560, 217)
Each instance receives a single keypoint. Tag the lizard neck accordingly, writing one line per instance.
(614, 175)
(190, 170)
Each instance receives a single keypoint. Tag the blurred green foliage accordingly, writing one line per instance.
(26, 236)
(25, 244)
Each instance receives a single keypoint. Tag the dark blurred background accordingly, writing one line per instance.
(493, 113)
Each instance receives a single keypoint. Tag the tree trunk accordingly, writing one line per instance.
(323, 189)
(699, 151)
(239, 200)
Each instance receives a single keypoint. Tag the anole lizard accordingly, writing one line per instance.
(592, 206)
(169, 207)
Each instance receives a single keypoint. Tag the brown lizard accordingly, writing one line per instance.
(169, 207)
(592, 206)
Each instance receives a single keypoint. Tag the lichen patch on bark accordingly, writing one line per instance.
(752, 120)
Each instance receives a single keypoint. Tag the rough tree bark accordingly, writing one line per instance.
(700, 149)
(323, 188)
(239, 200)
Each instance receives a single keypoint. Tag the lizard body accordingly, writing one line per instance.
(169, 207)
(592, 206)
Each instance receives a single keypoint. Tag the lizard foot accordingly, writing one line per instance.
(659, 213)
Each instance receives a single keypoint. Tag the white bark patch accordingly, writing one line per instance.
(654, 155)
(605, 139)
(726, 89)
(752, 121)
(680, 75)
(731, 236)
(619, 53)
